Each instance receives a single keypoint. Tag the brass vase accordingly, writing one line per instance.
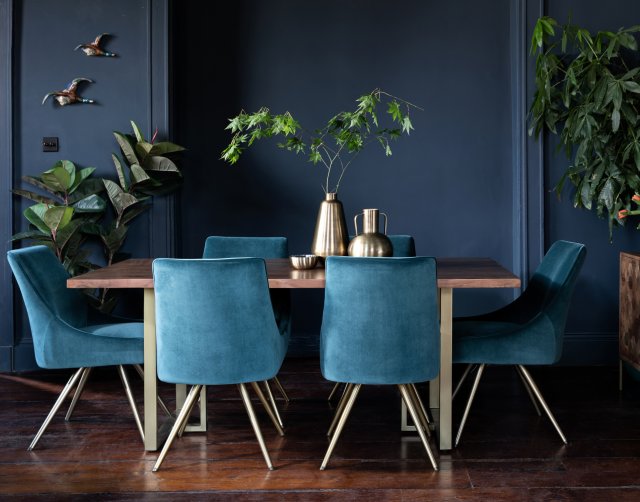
(370, 242)
(330, 237)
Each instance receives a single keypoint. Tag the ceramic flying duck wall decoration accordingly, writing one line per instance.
(94, 49)
(68, 95)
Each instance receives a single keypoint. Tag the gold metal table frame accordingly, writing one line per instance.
(452, 273)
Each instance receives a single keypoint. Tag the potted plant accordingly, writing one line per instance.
(588, 93)
(334, 146)
(73, 211)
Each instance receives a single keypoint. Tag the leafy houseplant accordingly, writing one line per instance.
(73, 211)
(588, 92)
(335, 145)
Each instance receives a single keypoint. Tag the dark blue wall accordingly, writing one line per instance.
(449, 184)
(43, 60)
(467, 182)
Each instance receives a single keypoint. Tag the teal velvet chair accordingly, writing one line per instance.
(62, 336)
(215, 326)
(528, 331)
(403, 246)
(380, 326)
(259, 247)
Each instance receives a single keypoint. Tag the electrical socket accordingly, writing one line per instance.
(50, 144)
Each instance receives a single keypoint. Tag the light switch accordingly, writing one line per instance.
(50, 144)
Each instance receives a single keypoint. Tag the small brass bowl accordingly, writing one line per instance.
(303, 261)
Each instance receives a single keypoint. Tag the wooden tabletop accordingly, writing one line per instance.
(452, 273)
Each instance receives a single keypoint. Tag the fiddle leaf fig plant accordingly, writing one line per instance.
(588, 93)
(336, 144)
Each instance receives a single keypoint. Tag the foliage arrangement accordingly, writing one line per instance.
(336, 144)
(588, 93)
(73, 211)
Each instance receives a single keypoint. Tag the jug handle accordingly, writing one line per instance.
(355, 222)
(385, 222)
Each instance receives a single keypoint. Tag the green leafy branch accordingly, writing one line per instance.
(336, 144)
(588, 92)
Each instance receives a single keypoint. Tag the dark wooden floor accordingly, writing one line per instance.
(507, 453)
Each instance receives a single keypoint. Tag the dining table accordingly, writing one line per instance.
(452, 273)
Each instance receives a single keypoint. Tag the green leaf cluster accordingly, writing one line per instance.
(74, 209)
(336, 144)
(588, 93)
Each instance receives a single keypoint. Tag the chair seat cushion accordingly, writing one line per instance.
(118, 330)
(493, 342)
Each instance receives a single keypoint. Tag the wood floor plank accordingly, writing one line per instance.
(507, 453)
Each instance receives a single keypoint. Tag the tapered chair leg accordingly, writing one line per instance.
(413, 411)
(422, 412)
(353, 394)
(166, 410)
(537, 393)
(267, 407)
(182, 417)
(526, 386)
(280, 388)
(63, 395)
(77, 393)
(468, 407)
(254, 422)
(333, 392)
(467, 370)
(348, 388)
(132, 403)
(274, 407)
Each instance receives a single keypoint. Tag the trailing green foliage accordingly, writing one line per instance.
(73, 211)
(588, 92)
(337, 143)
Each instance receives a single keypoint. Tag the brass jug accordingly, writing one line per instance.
(370, 242)
(330, 237)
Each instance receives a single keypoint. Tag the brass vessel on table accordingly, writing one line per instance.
(370, 242)
(330, 237)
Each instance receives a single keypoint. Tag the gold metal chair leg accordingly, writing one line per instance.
(468, 407)
(348, 388)
(63, 395)
(268, 409)
(422, 413)
(537, 393)
(343, 420)
(413, 411)
(467, 370)
(526, 386)
(280, 388)
(140, 371)
(182, 417)
(132, 403)
(334, 391)
(254, 422)
(77, 393)
(274, 407)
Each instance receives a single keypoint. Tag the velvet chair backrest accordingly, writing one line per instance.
(214, 321)
(403, 245)
(380, 321)
(43, 283)
(233, 247)
(258, 247)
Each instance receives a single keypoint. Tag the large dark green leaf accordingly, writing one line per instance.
(57, 217)
(91, 204)
(120, 200)
(134, 212)
(90, 186)
(30, 234)
(115, 238)
(35, 216)
(160, 164)
(80, 176)
(126, 147)
(67, 232)
(137, 132)
(120, 171)
(35, 197)
(164, 148)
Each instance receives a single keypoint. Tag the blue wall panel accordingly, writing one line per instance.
(43, 41)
